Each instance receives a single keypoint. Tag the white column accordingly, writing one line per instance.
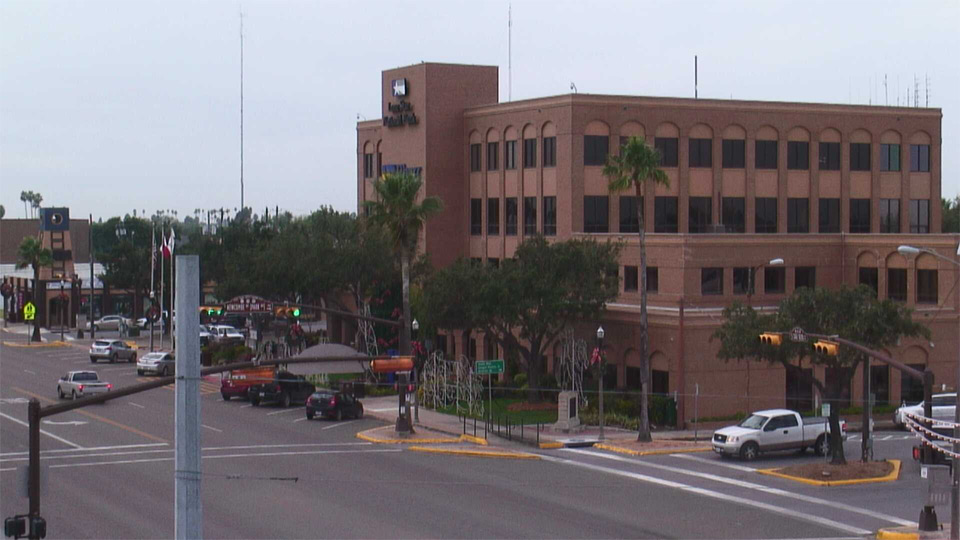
(187, 473)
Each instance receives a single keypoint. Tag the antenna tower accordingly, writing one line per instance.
(509, 52)
(886, 97)
(916, 91)
(926, 90)
(241, 108)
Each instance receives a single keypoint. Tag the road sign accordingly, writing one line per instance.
(798, 335)
(29, 311)
(488, 367)
(249, 303)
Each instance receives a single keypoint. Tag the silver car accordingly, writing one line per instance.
(110, 322)
(112, 350)
(162, 363)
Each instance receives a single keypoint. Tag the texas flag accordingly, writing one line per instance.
(168, 243)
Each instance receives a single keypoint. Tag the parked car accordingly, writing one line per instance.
(774, 430)
(112, 350)
(110, 322)
(944, 407)
(162, 363)
(224, 333)
(205, 335)
(78, 384)
(333, 404)
(237, 383)
(285, 389)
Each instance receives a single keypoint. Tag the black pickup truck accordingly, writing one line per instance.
(285, 388)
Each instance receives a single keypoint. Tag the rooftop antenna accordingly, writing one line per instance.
(926, 90)
(695, 93)
(573, 87)
(509, 52)
(916, 91)
(886, 97)
(241, 107)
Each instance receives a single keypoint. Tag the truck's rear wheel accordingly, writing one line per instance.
(225, 396)
(749, 451)
(285, 400)
(822, 446)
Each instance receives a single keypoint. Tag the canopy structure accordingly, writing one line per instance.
(330, 350)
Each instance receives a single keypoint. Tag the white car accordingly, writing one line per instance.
(110, 322)
(162, 363)
(944, 408)
(223, 333)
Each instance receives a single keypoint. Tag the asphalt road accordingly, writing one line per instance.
(269, 473)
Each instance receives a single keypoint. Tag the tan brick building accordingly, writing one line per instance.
(830, 189)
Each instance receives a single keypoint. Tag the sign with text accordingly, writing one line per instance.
(798, 335)
(249, 303)
(488, 367)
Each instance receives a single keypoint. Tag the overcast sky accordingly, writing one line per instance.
(106, 107)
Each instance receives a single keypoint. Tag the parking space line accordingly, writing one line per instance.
(284, 411)
(743, 468)
(136, 405)
(30, 372)
(299, 419)
(337, 425)
(211, 428)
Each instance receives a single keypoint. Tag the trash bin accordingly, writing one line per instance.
(133, 331)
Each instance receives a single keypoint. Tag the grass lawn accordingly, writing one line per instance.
(501, 411)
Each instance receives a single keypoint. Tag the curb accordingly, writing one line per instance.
(36, 345)
(551, 445)
(889, 534)
(363, 435)
(474, 440)
(621, 450)
(892, 477)
(474, 453)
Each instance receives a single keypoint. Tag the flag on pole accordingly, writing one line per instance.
(153, 250)
(164, 246)
(173, 238)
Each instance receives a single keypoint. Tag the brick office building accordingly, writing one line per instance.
(830, 189)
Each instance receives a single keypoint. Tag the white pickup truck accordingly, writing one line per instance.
(78, 384)
(774, 430)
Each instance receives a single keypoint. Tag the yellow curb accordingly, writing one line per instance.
(363, 435)
(621, 450)
(892, 477)
(548, 445)
(474, 440)
(889, 534)
(133, 345)
(475, 453)
(36, 345)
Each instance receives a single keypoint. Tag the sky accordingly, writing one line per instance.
(111, 107)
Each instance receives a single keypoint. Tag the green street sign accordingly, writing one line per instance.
(29, 311)
(488, 367)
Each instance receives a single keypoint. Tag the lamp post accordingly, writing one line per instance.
(753, 275)
(955, 486)
(60, 305)
(415, 326)
(600, 333)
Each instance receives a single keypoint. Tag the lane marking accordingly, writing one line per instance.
(246, 406)
(284, 411)
(136, 405)
(337, 425)
(748, 485)
(43, 432)
(388, 409)
(743, 468)
(65, 423)
(227, 456)
(87, 449)
(211, 428)
(715, 495)
(299, 419)
(13, 401)
(80, 456)
(30, 372)
(302, 445)
(96, 417)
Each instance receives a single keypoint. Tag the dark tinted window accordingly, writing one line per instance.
(920, 216)
(368, 165)
(859, 215)
(629, 223)
(766, 155)
(493, 216)
(829, 156)
(476, 216)
(927, 287)
(798, 155)
(741, 280)
(631, 278)
(897, 284)
(869, 277)
(711, 281)
(549, 151)
(805, 276)
(798, 215)
(734, 153)
(766, 210)
(595, 214)
(889, 157)
(733, 214)
(667, 146)
(701, 214)
(774, 279)
(493, 150)
(859, 156)
(529, 153)
(919, 158)
(665, 214)
(550, 216)
(510, 155)
(475, 157)
(653, 279)
(829, 215)
(595, 149)
(510, 208)
(701, 152)
(889, 215)
(529, 215)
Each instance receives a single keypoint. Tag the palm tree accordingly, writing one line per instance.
(636, 164)
(35, 201)
(33, 254)
(24, 197)
(396, 210)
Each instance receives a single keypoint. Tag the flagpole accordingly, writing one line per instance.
(163, 240)
(153, 265)
(170, 243)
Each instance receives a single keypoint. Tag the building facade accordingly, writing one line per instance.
(832, 190)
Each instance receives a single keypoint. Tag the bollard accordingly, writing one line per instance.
(521, 429)
(464, 424)
(538, 434)
(474, 426)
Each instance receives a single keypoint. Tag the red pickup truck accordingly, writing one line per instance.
(236, 383)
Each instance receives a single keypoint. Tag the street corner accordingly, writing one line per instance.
(892, 476)
(474, 451)
(912, 533)
(389, 435)
(656, 447)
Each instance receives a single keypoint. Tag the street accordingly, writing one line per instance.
(270, 473)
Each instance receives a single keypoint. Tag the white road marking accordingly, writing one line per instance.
(117, 369)
(388, 409)
(12, 401)
(284, 411)
(299, 419)
(211, 428)
(30, 372)
(747, 485)
(337, 425)
(715, 495)
(229, 456)
(136, 405)
(47, 433)
(302, 445)
(245, 406)
(81, 456)
(887, 438)
(87, 449)
(743, 468)
(64, 423)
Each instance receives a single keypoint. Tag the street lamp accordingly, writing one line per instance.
(60, 305)
(955, 487)
(415, 326)
(753, 275)
(600, 334)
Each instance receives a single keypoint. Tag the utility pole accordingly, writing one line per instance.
(93, 333)
(188, 472)
(241, 109)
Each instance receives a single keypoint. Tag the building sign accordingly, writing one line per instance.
(402, 167)
(249, 303)
(401, 113)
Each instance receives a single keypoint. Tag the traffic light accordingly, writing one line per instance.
(38, 527)
(211, 311)
(771, 338)
(826, 348)
(290, 312)
(15, 526)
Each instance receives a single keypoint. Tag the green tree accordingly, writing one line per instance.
(950, 217)
(126, 257)
(3, 211)
(399, 213)
(850, 313)
(633, 167)
(523, 305)
(24, 197)
(32, 253)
